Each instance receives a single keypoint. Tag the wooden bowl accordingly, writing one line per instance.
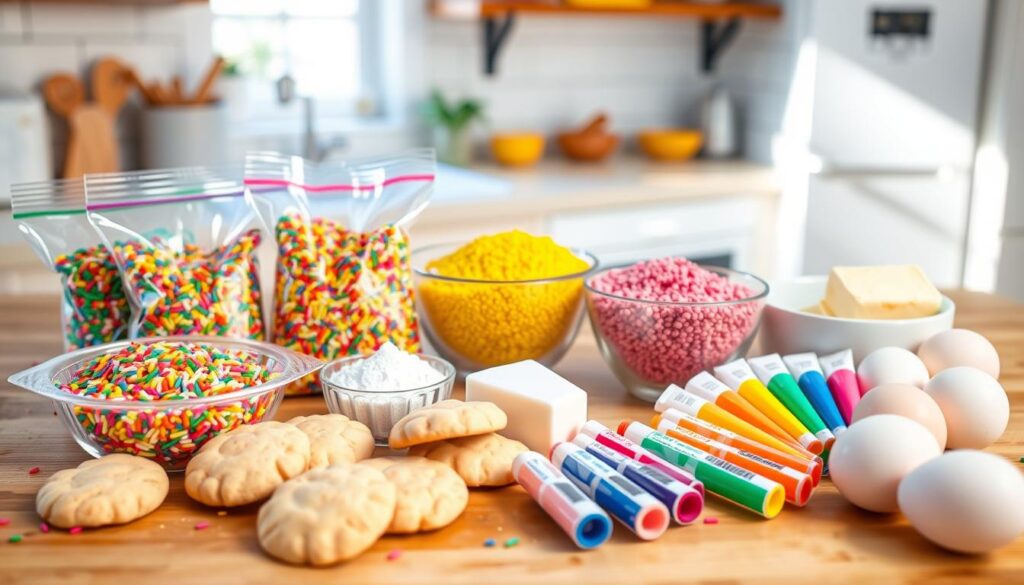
(587, 146)
(517, 149)
(670, 145)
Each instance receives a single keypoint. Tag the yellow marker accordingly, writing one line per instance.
(695, 406)
(738, 375)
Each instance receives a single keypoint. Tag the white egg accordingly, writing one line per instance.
(891, 365)
(870, 459)
(959, 347)
(968, 501)
(904, 400)
(974, 405)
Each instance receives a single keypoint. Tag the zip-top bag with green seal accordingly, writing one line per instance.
(51, 215)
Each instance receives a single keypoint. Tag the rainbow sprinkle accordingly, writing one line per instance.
(44, 527)
(33, 470)
(15, 538)
(95, 309)
(711, 520)
(512, 542)
(190, 292)
(394, 555)
(75, 530)
(202, 525)
(164, 372)
(340, 292)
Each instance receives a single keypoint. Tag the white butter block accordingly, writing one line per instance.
(543, 408)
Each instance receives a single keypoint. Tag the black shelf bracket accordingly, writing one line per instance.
(714, 38)
(496, 32)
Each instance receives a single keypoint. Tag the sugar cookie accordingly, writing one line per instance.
(382, 463)
(480, 460)
(116, 489)
(326, 515)
(430, 494)
(245, 465)
(445, 420)
(334, 438)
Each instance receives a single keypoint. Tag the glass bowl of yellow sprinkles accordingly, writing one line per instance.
(162, 398)
(501, 298)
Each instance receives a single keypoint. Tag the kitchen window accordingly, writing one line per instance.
(330, 48)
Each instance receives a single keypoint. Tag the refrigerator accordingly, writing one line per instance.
(896, 93)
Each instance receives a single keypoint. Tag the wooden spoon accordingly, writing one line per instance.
(596, 124)
(203, 93)
(64, 93)
(111, 84)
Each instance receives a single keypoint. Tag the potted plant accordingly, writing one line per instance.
(451, 123)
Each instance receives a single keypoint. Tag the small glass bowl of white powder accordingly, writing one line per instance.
(379, 389)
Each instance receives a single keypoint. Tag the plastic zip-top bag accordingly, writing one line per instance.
(185, 242)
(51, 215)
(344, 279)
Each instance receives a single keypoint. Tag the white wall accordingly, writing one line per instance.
(554, 72)
(37, 40)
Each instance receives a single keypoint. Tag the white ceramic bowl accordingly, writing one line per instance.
(786, 328)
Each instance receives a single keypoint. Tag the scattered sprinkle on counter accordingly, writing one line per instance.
(490, 542)
(5, 521)
(75, 530)
(711, 520)
(165, 371)
(394, 555)
(33, 471)
(512, 542)
(44, 527)
(202, 525)
(15, 538)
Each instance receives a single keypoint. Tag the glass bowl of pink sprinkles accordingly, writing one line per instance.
(164, 397)
(662, 321)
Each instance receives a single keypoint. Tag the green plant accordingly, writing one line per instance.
(454, 116)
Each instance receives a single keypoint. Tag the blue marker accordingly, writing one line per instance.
(807, 371)
(624, 500)
(684, 502)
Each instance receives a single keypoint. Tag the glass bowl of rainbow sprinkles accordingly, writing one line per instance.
(164, 397)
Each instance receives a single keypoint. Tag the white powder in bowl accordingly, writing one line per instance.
(388, 369)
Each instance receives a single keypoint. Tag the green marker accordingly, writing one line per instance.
(774, 375)
(723, 479)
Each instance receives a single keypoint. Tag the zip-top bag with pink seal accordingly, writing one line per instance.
(344, 280)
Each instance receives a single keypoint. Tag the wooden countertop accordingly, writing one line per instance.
(828, 541)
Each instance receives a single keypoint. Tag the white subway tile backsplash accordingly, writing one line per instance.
(10, 20)
(25, 66)
(82, 20)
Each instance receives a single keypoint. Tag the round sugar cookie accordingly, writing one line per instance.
(115, 489)
(446, 420)
(326, 516)
(480, 460)
(430, 494)
(246, 464)
(334, 438)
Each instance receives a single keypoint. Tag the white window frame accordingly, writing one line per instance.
(376, 20)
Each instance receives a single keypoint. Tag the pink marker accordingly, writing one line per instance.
(583, 520)
(842, 381)
(608, 438)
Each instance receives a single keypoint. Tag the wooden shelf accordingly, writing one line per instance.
(698, 10)
(720, 22)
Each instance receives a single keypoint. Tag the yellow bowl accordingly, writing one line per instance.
(517, 149)
(670, 145)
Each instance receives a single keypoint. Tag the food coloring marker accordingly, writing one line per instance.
(583, 520)
(681, 400)
(624, 500)
(683, 502)
(738, 375)
(842, 381)
(774, 375)
(812, 467)
(713, 390)
(807, 371)
(623, 446)
(798, 485)
(727, 481)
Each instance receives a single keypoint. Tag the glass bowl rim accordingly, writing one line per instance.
(761, 296)
(31, 379)
(591, 259)
(449, 373)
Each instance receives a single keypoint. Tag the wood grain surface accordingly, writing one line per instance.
(829, 541)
